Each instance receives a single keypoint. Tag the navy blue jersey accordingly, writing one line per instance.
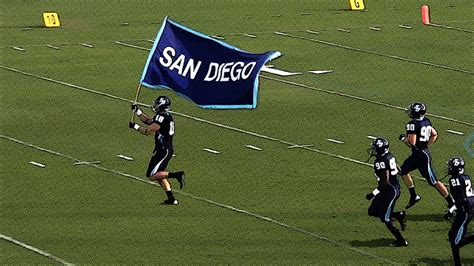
(164, 136)
(422, 129)
(381, 165)
(460, 187)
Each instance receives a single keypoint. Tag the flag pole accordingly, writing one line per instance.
(136, 99)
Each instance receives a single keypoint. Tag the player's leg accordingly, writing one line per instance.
(157, 172)
(409, 165)
(389, 198)
(427, 171)
(457, 233)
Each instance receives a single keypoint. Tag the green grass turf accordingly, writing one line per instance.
(85, 215)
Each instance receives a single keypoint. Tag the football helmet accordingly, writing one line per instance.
(379, 147)
(416, 110)
(161, 104)
(455, 166)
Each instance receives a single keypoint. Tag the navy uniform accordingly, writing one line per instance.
(163, 144)
(387, 192)
(461, 188)
(420, 158)
(162, 126)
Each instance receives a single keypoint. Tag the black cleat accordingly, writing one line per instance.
(402, 220)
(170, 202)
(181, 179)
(413, 201)
(399, 243)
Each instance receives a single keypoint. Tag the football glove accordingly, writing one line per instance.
(136, 109)
(133, 125)
(402, 137)
(370, 196)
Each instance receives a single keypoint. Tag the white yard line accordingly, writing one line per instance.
(377, 53)
(36, 250)
(229, 207)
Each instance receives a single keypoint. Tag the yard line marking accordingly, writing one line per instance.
(218, 37)
(211, 151)
(253, 147)
(335, 141)
(450, 28)
(37, 164)
(454, 132)
(360, 99)
(371, 137)
(93, 162)
(125, 157)
(378, 54)
(292, 146)
(229, 207)
(316, 89)
(36, 250)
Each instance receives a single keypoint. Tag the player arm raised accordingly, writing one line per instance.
(143, 117)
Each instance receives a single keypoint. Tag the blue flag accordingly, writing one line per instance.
(211, 73)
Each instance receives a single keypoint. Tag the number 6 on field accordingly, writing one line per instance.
(51, 19)
(356, 4)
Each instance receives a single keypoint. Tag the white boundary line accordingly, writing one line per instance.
(229, 207)
(361, 99)
(31, 248)
(379, 54)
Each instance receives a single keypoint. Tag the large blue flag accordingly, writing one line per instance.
(210, 72)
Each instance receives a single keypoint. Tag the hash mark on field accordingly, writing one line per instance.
(253, 147)
(335, 141)
(229, 207)
(405, 27)
(125, 157)
(87, 45)
(211, 151)
(53, 47)
(18, 48)
(249, 35)
(31, 248)
(37, 164)
(454, 132)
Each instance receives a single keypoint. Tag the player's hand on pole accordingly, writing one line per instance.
(136, 109)
(133, 125)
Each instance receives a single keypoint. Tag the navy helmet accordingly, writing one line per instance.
(416, 110)
(455, 166)
(161, 104)
(379, 147)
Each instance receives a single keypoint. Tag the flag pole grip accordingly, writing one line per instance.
(136, 100)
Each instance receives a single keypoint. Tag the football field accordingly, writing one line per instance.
(287, 183)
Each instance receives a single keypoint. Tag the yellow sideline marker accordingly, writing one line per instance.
(356, 5)
(51, 20)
